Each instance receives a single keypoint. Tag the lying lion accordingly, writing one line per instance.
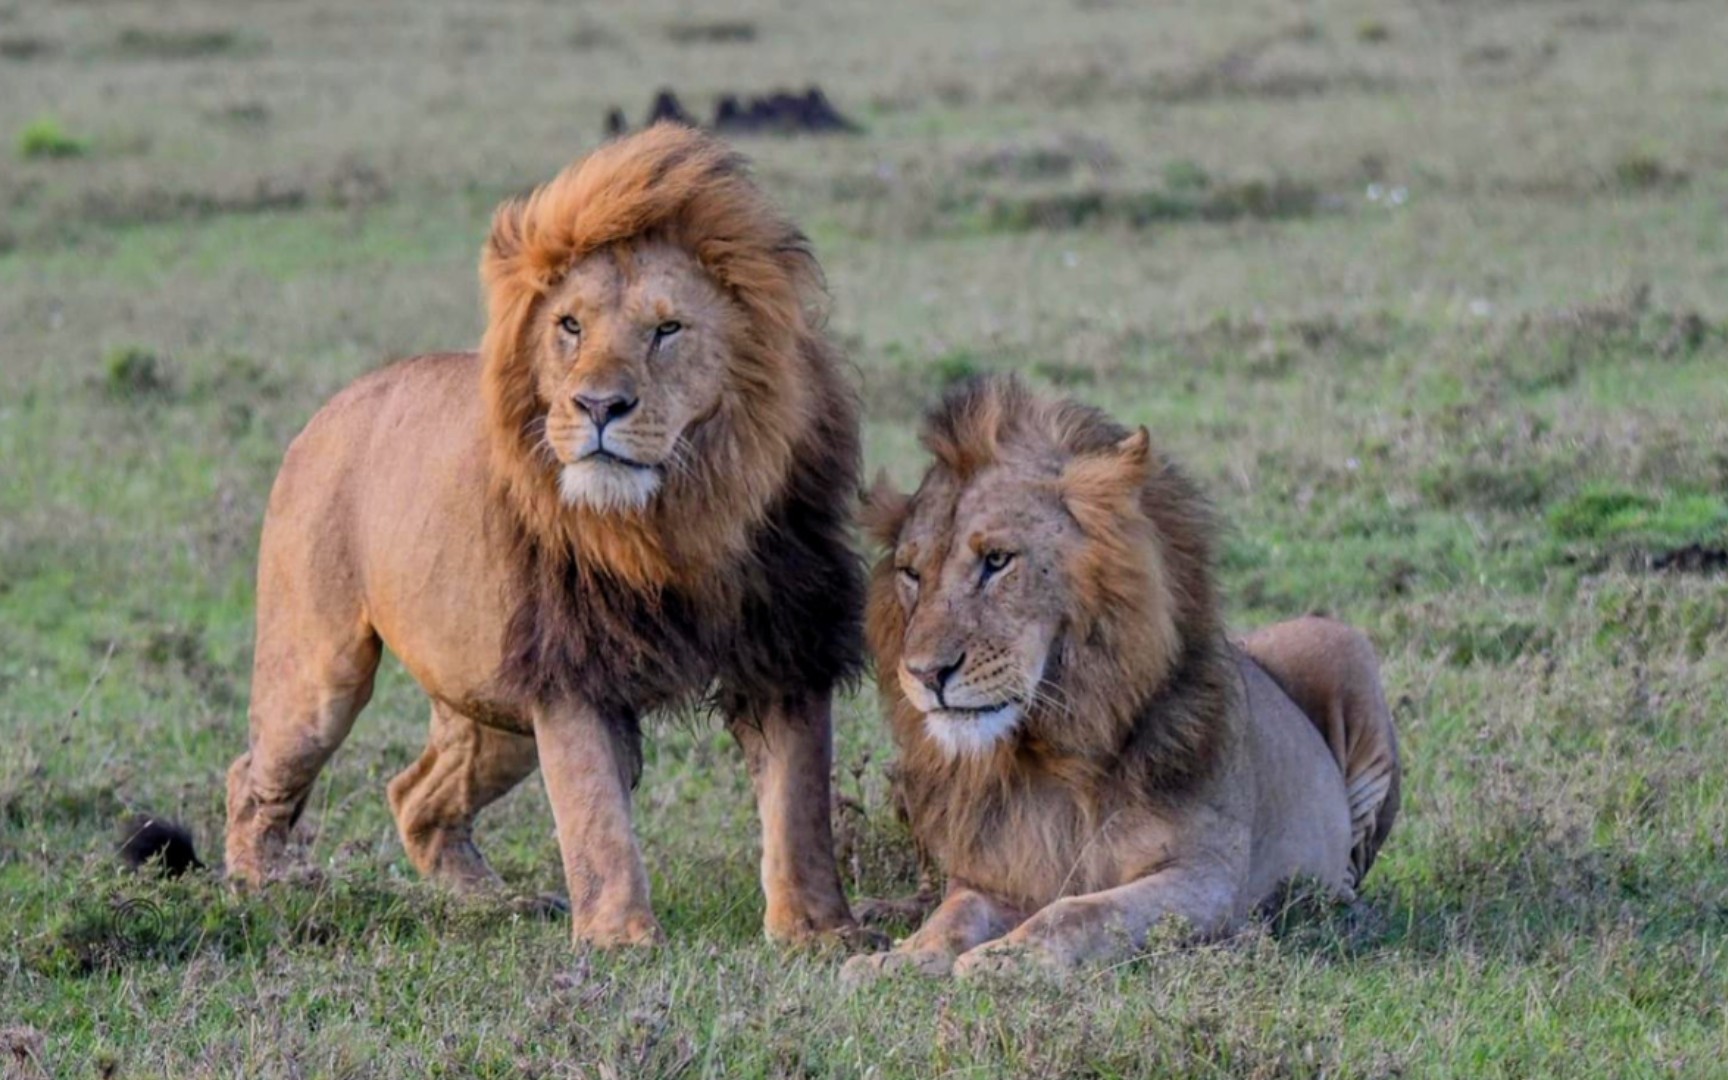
(635, 495)
(1081, 750)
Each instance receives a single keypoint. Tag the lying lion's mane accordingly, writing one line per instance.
(740, 578)
(1152, 719)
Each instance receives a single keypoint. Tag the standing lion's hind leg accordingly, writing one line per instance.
(464, 768)
(304, 701)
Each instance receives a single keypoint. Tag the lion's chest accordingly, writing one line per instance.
(1036, 842)
(782, 620)
(589, 637)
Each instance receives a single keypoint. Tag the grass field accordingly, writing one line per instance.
(1431, 294)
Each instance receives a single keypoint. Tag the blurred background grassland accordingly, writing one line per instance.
(1431, 294)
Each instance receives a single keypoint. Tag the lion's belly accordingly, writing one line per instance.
(492, 712)
(448, 635)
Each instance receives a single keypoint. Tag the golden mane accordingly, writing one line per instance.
(1142, 668)
(741, 573)
(675, 184)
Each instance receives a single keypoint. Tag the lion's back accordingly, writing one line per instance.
(396, 412)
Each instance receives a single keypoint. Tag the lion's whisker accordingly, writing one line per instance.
(537, 434)
(679, 462)
(1053, 698)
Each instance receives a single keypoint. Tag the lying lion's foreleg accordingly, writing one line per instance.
(588, 780)
(1112, 923)
(964, 920)
(788, 748)
(464, 768)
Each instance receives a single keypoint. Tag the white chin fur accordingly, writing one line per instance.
(971, 733)
(607, 487)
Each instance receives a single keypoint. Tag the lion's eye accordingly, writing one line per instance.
(570, 326)
(996, 561)
(908, 574)
(668, 328)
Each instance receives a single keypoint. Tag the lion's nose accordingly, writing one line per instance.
(935, 676)
(605, 408)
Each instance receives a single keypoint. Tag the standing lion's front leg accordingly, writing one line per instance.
(1111, 924)
(588, 781)
(963, 921)
(788, 748)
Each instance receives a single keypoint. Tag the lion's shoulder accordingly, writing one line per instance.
(409, 408)
(444, 382)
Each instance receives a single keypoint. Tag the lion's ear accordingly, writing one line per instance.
(1109, 480)
(1135, 450)
(884, 510)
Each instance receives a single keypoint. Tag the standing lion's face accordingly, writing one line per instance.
(982, 573)
(631, 357)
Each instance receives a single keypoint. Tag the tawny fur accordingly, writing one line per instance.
(1156, 769)
(422, 510)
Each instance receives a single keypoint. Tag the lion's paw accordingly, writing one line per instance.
(840, 937)
(909, 909)
(855, 938)
(1006, 959)
(634, 931)
(872, 966)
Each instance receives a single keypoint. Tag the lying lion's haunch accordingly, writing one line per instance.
(1081, 750)
(635, 496)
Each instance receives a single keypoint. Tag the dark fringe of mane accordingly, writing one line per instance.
(783, 621)
(1179, 733)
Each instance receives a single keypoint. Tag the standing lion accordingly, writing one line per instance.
(634, 496)
(1081, 750)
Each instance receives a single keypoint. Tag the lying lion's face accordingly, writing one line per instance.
(632, 356)
(1027, 586)
(983, 575)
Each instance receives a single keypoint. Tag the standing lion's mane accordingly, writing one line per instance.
(741, 568)
(675, 184)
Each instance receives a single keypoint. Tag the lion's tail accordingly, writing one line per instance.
(148, 842)
(1357, 725)
(1371, 780)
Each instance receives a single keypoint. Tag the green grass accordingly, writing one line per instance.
(1609, 513)
(43, 137)
(1485, 421)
